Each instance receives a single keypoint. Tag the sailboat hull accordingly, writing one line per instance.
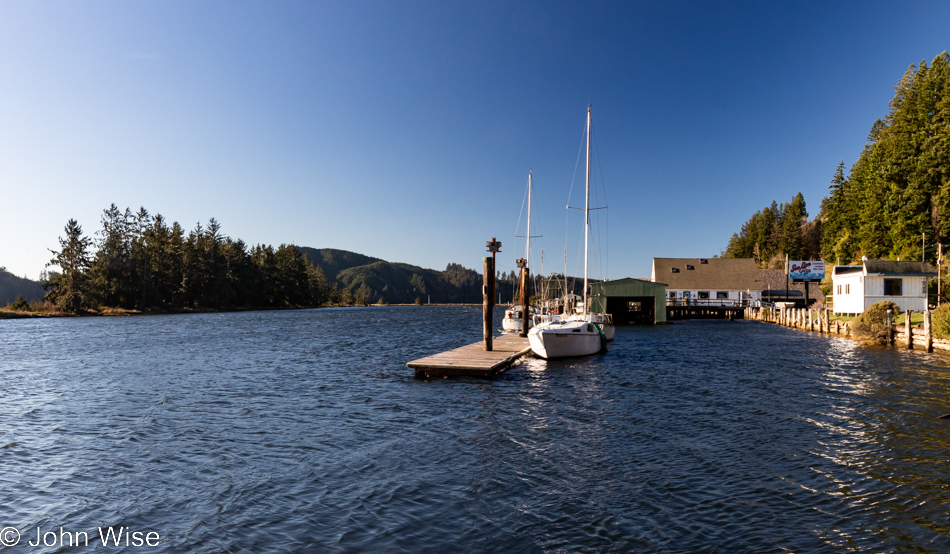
(565, 339)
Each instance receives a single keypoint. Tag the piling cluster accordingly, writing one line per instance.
(819, 321)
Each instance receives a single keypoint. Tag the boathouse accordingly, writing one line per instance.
(719, 282)
(630, 301)
(856, 287)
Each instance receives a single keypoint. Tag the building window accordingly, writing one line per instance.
(675, 269)
(703, 261)
(722, 295)
(685, 294)
(847, 289)
(704, 294)
(839, 289)
(892, 287)
(689, 267)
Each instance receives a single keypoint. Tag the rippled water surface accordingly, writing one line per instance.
(304, 431)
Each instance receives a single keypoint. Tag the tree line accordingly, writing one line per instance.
(775, 231)
(892, 203)
(137, 261)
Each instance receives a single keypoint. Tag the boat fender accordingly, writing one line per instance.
(603, 339)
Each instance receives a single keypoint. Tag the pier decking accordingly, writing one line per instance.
(473, 360)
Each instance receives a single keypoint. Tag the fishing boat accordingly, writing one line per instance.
(511, 323)
(578, 334)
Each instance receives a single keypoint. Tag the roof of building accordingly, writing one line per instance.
(888, 267)
(629, 287)
(846, 269)
(783, 293)
(707, 273)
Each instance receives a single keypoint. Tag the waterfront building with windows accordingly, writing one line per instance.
(856, 287)
(712, 282)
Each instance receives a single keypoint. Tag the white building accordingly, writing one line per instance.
(708, 281)
(855, 287)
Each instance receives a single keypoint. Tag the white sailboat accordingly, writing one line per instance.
(578, 335)
(511, 323)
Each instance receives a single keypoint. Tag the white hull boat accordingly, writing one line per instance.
(565, 339)
(511, 323)
(579, 334)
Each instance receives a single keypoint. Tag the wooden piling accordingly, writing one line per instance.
(524, 302)
(908, 330)
(889, 324)
(488, 297)
(928, 332)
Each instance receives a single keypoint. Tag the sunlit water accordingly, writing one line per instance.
(304, 431)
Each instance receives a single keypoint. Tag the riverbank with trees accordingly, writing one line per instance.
(138, 263)
(894, 201)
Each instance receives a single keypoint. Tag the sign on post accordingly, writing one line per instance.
(810, 270)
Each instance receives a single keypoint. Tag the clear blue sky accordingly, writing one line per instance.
(405, 130)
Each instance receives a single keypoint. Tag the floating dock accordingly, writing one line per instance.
(473, 360)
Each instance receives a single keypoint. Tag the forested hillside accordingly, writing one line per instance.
(895, 194)
(12, 286)
(358, 279)
(332, 261)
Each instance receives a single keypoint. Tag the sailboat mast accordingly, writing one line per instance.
(587, 215)
(527, 246)
(566, 302)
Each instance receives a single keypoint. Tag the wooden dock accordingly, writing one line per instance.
(472, 359)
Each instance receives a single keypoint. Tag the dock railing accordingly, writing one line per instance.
(708, 302)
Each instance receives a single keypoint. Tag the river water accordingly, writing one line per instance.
(296, 431)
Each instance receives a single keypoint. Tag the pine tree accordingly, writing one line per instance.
(69, 289)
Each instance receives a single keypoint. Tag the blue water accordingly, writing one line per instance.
(296, 431)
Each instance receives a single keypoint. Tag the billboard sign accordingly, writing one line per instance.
(800, 270)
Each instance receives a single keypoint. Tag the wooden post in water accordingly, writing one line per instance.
(889, 324)
(827, 320)
(487, 297)
(928, 332)
(811, 322)
(908, 330)
(523, 264)
(488, 293)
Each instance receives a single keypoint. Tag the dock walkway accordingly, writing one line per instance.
(473, 360)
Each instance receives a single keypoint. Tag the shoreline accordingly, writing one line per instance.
(819, 321)
(119, 312)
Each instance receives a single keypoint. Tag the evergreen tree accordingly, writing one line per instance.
(111, 272)
(899, 188)
(69, 289)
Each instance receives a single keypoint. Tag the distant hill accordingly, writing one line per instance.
(12, 286)
(333, 261)
(372, 279)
